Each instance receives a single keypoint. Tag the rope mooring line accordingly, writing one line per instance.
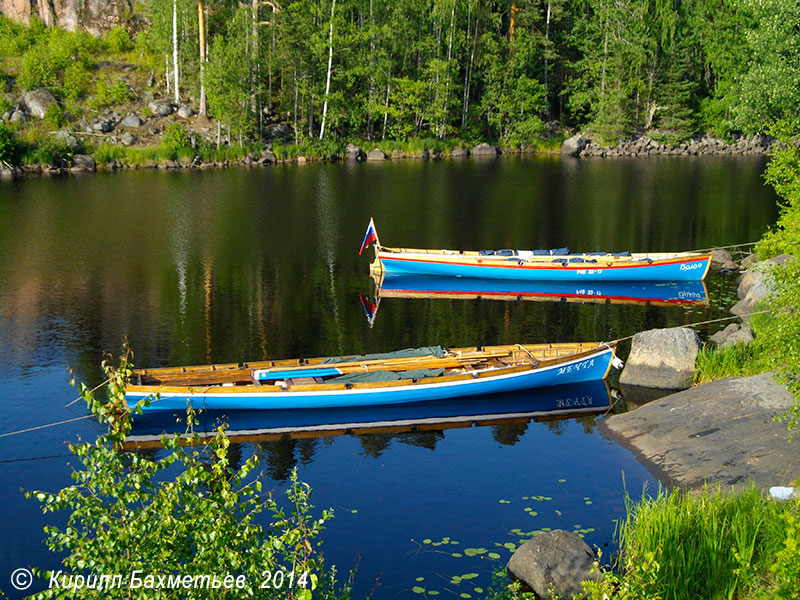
(29, 429)
(91, 391)
(726, 247)
(760, 312)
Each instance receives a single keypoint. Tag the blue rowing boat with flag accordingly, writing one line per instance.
(558, 264)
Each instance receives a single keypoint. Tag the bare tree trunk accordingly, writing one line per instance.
(386, 108)
(166, 70)
(201, 25)
(443, 128)
(371, 91)
(468, 74)
(175, 48)
(328, 78)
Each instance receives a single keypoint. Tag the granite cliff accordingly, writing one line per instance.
(94, 16)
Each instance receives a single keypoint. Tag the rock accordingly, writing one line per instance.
(7, 172)
(573, 146)
(662, 358)
(268, 157)
(376, 154)
(720, 433)
(185, 112)
(83, 162)
(64, 136)
(161, 109)
(484, 150)
(6, 115)
(128, 139)
(554, 561)
(459, 153)
(353, 152)
(38, 101)
(731, 335)
(747, 261)
(722, 259)
(18, 116)
(755, 285)
(131, 121)
(103, 125)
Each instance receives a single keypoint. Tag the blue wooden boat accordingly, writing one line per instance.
(538, 265)
(413, 375)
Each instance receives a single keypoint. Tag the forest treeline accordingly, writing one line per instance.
(511, 71)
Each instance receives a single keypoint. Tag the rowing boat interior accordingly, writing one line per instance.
(537, 256)
(453, 363)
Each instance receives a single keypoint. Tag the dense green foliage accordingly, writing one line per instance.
(8, 146)
(684, 545)
(189, 513)
(474, 70)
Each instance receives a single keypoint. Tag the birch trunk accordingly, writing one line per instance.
(328, 78)
(201, 26)
(175, 48)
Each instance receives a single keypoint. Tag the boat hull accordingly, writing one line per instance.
(686, 268)
(584, 367)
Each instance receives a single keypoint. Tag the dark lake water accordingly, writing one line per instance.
(226, 266)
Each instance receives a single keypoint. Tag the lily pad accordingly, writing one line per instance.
(468, 576)
(475, 551)
(457, 555)
(510, 545)
(478, 590)
(418, 590)
(420, 579)
(426, 541)
(493, 555)
(562, 481)
(465, 595)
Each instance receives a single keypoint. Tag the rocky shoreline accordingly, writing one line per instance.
(642, 145)
(143, 126)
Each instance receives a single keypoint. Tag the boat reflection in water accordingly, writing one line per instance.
(662, 293)
(558, 402)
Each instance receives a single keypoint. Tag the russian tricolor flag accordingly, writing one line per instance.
(369, 237)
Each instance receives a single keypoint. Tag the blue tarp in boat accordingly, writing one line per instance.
(375, 376)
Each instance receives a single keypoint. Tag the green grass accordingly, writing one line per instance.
(709, 545)
(739, 360)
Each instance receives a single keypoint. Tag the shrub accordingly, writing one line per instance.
(119, 40)
(8, 146)
(174, 140)
(188, 512)
(48, 151)
(37, 69)
(54, 115)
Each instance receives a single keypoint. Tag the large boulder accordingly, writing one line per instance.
(722, 260)
(553, 562)
(161, 109)
(38, 101)
(132, 121)
(662, 358)
(459, 153)
(573, 146)
(755, 285)
(484, 150)
(83, 162)
(732, 334)
(376, 154)
(353, 152)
